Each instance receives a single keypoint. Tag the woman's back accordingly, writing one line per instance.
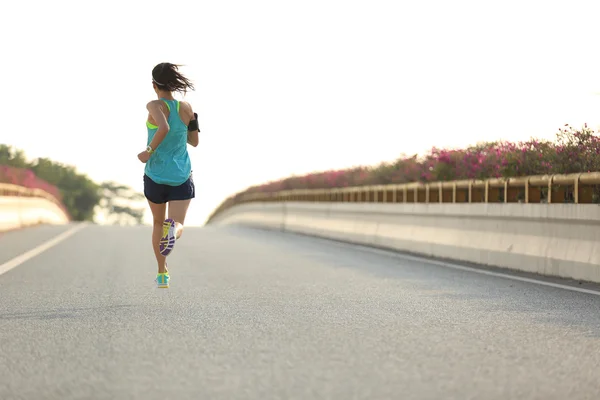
(170, 163)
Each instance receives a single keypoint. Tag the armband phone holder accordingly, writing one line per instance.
(193, 126)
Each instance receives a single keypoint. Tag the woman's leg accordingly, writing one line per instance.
(158, 217)
(177, 212)
(179, 199)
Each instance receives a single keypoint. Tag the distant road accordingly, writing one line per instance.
(261, 315)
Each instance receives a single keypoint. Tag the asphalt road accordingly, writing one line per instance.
(259, 315)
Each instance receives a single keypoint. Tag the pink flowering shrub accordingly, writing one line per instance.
(573, 151)
(577, 151)
(26, 178)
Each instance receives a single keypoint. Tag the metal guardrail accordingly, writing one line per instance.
(577, 188)
(9, 189)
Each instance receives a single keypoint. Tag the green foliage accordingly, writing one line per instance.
(114, 193)
(78, 193)
(12, 157)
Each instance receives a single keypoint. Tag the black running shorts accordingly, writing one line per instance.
(158, 193)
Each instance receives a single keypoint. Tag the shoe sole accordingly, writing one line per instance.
(167, 242)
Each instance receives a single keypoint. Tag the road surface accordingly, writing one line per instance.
(260, 315)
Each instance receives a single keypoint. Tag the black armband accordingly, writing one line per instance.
(193, 126)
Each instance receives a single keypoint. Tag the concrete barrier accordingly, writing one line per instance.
(19, 212)
(561, 240)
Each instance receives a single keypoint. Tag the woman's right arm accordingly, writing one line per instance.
(156, 111)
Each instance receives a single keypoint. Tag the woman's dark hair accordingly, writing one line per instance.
(167, 77)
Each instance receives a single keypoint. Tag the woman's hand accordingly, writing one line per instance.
(144, 156)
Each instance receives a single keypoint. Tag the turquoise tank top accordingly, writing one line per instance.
(170, 163)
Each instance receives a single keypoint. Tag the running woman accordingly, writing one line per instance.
(168, 179)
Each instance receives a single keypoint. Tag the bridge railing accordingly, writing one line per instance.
(24, 183)
(580, 188)
(12, 190)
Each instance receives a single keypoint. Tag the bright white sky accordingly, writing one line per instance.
(292, 87)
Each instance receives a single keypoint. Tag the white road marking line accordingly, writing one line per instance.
(469, 269)
(18, 260)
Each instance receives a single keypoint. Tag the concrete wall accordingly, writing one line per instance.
(556, 240)
(18, 212)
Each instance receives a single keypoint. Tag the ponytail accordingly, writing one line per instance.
(166, 76)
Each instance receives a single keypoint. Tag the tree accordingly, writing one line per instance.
(12, 157)
(116, 204)
(80, 195)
